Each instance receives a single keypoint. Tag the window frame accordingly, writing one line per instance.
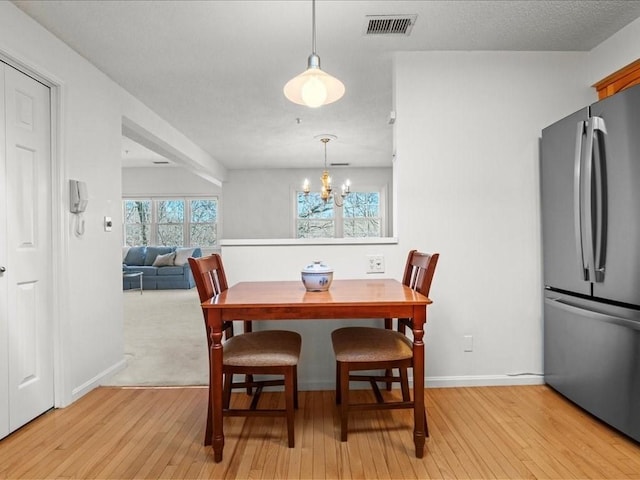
(338, 218)
(186, 221)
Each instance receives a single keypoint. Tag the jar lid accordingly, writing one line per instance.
(317, 267)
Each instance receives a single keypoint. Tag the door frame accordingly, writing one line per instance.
(59, 246)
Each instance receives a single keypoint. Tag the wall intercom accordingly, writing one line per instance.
(78, 196)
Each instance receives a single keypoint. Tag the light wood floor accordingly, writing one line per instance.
(476, 433)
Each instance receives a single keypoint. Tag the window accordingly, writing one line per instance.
(360, 216)
(315, 219)
(172, 222)
(137, 222)
(203, 224)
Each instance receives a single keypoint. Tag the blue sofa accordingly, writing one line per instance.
(162, 267)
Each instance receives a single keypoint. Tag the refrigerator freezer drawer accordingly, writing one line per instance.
(593, 358)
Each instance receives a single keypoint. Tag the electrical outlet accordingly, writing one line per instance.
(375, 263)
(468, 343)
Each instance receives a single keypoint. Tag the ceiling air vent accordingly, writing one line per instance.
(339, 164)
(160, 162)
(389, 24)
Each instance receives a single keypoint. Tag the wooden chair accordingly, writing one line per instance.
(368, 348)
(273, 352)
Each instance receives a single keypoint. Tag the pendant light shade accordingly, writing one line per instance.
(313, 87)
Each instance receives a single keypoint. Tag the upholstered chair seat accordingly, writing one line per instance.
(262, 349)
(369, 344)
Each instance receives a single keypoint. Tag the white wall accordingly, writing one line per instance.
(466, 170)
(614, 53)
(467, 132)
(88, 312)
(165, 181)
(249, 194)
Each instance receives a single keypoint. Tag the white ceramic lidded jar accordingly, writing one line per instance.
(317, 276)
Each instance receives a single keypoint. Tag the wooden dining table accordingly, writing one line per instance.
(288, 300)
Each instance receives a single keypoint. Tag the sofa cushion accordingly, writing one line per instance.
(135, 256)
(182, 254)
(175, 270)
(153, 252)
(164, 260)
(125, 250)
(147, 271)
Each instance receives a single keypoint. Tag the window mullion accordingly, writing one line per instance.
(339, 220)
(154, 223)
(186, 223)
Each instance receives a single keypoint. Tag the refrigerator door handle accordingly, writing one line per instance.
(600, 161)
(588, 201)
(603, 317)
(577, 199)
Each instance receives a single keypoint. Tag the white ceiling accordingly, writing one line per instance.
(215, 69)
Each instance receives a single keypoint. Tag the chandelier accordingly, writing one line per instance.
(314, 87)
(327, 189)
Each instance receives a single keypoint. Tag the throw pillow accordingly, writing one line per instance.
(182, 254)
(153, 252)
(164, 260)
(125, 250)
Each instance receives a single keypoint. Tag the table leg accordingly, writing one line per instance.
(214, 321)
(419, 318)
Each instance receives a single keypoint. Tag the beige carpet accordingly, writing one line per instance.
(165, 343)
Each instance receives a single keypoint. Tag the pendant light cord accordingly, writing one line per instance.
(325, 140)
(313, 26)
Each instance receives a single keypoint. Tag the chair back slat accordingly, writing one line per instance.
(419, 270)
(208, 273)
(214, 278)
(211, 280)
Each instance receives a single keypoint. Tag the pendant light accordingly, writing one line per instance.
(313, 87)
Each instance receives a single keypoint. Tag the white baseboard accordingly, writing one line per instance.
(430, 382)
(443, 382)
(485, 380)
(96, 381)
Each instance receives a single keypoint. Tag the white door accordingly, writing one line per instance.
(25, 252)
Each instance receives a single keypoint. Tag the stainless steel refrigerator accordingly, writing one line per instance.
(590, 191)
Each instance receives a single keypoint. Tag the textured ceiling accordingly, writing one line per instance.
(215, 69)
